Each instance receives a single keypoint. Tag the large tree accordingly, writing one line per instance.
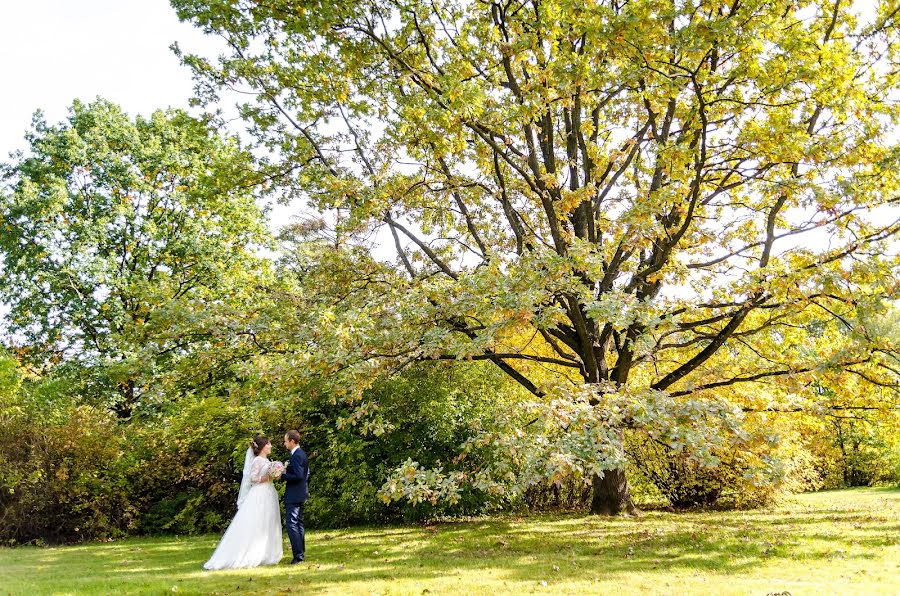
(115, 229)
(619, 189)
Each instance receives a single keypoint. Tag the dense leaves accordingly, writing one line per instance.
(114, 229)
(629, 194)
(63, 465)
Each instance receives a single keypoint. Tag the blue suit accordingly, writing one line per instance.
(296, 493)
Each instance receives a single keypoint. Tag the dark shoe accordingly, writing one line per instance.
(295, 561)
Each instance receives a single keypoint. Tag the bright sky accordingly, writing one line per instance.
(57, 50)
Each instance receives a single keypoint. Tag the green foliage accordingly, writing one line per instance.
(860, 450)
(781, 454)
(564, 438)
(178, 471)
(10, 378)
(684, 481)
(114, 231)
(623, 197)
(425, 413)
(188, 465)
(63, 468)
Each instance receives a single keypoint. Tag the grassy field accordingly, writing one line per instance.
(839, 542)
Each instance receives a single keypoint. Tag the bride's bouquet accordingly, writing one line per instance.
(276, 469)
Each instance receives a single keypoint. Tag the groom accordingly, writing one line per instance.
(296, 493)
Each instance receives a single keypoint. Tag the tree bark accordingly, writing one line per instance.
(124, 408)
(611, 494)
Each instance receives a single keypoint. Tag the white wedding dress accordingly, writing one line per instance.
(254, 536)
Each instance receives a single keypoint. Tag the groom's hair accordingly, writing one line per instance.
(292, 435)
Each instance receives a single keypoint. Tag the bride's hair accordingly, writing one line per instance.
(258, 443)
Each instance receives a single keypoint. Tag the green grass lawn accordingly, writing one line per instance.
(838, 542)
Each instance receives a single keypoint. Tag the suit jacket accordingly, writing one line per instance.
(296, 477)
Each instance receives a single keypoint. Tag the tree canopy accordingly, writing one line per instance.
(645, 196)
(114, 228)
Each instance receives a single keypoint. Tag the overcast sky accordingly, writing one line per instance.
(54, 51)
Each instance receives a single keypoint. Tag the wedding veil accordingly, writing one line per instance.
(245, 479)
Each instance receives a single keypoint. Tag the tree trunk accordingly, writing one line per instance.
(124, 407)
(611, 494)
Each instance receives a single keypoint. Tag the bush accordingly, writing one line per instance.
(744, 477)
(863, 450)
(186, 464)
(63, 469)
(867, 454)
(70, 471)
(189, 464)
(571, 494)
(427, 413)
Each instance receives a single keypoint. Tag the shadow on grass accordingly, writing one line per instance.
(562, 547)
(572, 545)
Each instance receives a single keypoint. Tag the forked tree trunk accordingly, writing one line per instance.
(611, 494)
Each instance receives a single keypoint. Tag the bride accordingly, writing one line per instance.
(254, 536)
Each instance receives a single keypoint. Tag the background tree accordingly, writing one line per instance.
(115, 232)
(638, 184)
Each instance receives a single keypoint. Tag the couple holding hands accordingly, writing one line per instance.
(254, 536)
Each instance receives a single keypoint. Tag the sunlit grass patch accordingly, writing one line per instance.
(830, 542)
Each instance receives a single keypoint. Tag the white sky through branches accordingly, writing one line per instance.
(55, 51)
